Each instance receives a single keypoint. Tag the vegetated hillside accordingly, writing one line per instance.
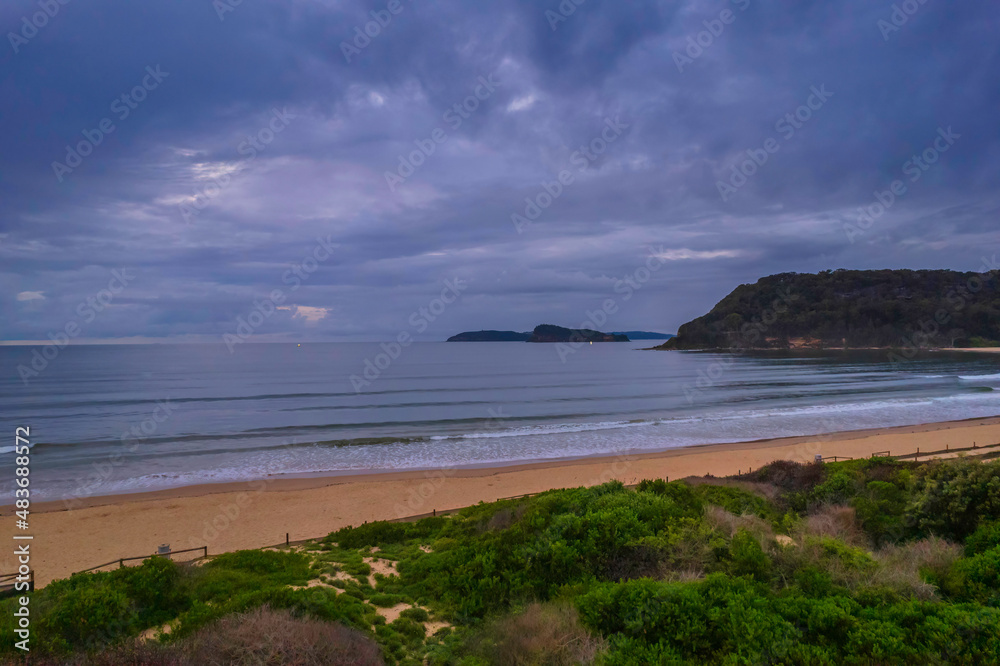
(842, 308)
(861, 562)
(490, 336)
(550, 333)
(645, 335)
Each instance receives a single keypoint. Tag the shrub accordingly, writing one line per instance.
(277, 567)
(416, 614)
(385, 600)
(264, 636)
(736, 501)
(880, 511)
(548, 634)
(951, 499)
(838, 522)
(93, 609)
(918, 567)
(747, 558)
(978, 578)
(838, 488)
(986, 537)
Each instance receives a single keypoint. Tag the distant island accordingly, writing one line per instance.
(490, 336)
(544, 333)
(845, 309)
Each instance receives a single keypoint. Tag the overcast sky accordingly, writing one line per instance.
(204, 208)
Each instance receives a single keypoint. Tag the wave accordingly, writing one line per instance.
(555, 429)
(978, 377)
(12, 449)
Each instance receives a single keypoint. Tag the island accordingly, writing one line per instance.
(490, 336)
(543, 333)
(550, 333)
(851, 309)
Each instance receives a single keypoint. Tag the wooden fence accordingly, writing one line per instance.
(9, 581)
(122, 560)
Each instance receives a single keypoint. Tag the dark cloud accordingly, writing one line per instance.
(173, 194)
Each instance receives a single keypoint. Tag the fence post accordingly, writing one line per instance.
(121, 563)
(287, 542)
(205, 548)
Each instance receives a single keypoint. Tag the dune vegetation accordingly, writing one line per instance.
(857, 562)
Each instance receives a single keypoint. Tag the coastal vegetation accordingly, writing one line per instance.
(856, 562)
(852, 309)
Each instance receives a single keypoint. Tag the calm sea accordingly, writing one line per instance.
(114, 419)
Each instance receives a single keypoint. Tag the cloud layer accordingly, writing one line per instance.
(220, 155)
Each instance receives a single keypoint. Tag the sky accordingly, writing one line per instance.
(345, 170)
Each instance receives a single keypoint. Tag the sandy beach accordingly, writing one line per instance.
(230, 517)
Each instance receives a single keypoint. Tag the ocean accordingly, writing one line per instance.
(130, 418)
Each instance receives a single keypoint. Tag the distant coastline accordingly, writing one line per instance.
(551, 333)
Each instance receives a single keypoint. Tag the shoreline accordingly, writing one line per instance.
(257, 514)
(306, 481)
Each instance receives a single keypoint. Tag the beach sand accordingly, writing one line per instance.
(230, 517)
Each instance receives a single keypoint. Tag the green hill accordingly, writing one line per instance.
(550, 333)
(852, 309)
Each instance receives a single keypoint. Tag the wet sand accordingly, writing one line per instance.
(234, 516)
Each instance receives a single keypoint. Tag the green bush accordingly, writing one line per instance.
(880, 511)
(839, 487)
(986, 537)
(416, 614)
(747, 558)
(736, 500)
(952, 499)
